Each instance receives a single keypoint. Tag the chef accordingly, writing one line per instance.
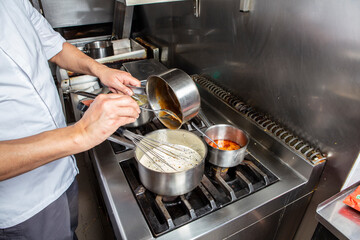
(38, 190)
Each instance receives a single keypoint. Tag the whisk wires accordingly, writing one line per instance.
(152, 147)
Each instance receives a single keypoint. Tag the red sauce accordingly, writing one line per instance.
(225, 145)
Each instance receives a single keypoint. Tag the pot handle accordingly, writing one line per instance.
(204, 135)
(85, 94)
(134, 87)
(204, 118)
(137, 90)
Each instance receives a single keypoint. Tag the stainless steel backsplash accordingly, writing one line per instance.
(67, 13)
(298, 61)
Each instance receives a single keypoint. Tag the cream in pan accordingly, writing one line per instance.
(180, 158)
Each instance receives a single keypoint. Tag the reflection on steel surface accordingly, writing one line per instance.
(338, 218)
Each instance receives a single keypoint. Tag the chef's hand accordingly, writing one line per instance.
(106, 114)
(115, 79)
(73, 59)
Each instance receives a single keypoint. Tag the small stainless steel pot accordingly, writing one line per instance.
(99, 49)
(224, 158)
(174, 183)
(176, 91)
(144, 117)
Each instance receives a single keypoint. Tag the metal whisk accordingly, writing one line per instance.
(147, 145)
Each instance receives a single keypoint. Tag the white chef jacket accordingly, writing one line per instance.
(29, 104)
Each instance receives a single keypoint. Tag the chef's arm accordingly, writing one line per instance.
(73, 59)
(105, 115)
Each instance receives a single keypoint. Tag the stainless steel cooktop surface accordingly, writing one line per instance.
(258, 197)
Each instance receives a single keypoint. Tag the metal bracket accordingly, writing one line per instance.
(245, 5)
(123, 16)
(197, 8)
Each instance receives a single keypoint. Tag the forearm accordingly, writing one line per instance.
(25, 154)
(105, 115)
(73, 59)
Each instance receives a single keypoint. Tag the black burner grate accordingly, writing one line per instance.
(217, 189)
(213, 193)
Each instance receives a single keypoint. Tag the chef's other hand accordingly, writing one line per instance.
(115, 79)
(106, 114)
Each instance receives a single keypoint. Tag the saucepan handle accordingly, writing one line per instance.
(137, 90)
(85, 94)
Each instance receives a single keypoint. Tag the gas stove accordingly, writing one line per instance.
(218, 188)
(264, 197)
(258, 198)
(164, 214)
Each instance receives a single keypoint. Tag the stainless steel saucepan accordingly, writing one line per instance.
(99, 49)
(144, 116)
(173, 183)
(176, 91)
(225, 158)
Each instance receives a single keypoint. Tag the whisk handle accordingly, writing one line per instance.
(124, 132)
(120, 130)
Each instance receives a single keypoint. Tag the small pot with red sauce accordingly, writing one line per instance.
(232, 142)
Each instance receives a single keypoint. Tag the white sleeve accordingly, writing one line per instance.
(51, 40)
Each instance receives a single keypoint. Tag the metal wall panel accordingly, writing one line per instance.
(295, 60)
(67, 13)
(141, 2)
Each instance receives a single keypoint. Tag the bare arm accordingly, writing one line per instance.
(104, 116)
(22, 155)
(73, 59)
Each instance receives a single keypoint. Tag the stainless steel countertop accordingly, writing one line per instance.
(340, 219)
(293, 171)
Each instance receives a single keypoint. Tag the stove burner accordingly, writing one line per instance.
(164, 214)
(167, 199)
(213, 170)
